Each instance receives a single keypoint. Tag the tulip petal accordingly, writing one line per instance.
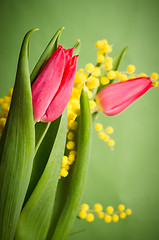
(48, 82)
(68, 56)
(63, 94)
(116, 97)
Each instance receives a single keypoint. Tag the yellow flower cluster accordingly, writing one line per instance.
(108, 215)
(73, 113)
(103, 47)
(123, 76)
(5, 105)
(104, 134)
(92, 77)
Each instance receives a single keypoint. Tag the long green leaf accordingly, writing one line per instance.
(42, 155)
(78, 176)
(60, 199)
(36, 215)
(16, 148)
(52, 46)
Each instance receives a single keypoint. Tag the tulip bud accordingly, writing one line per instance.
(114, 98)
(52, 88)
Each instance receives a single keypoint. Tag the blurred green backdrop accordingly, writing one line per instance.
(130, 173)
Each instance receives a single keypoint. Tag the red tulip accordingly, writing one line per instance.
(52, 88)
(114, 98)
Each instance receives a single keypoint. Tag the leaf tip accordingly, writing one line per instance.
(34, 29)
(84, 88)
(61, 29)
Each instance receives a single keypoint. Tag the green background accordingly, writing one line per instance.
(130, 173)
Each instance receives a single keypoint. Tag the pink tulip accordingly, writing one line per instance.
(52, 88)
(114, 98)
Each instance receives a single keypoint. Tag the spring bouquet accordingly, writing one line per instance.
(45, 137)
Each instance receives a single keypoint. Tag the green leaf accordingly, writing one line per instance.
(52, 46)
(60, 199)
(36, 215)
(42, 153)
(77, 178)
(16, 148)
(117, 60)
